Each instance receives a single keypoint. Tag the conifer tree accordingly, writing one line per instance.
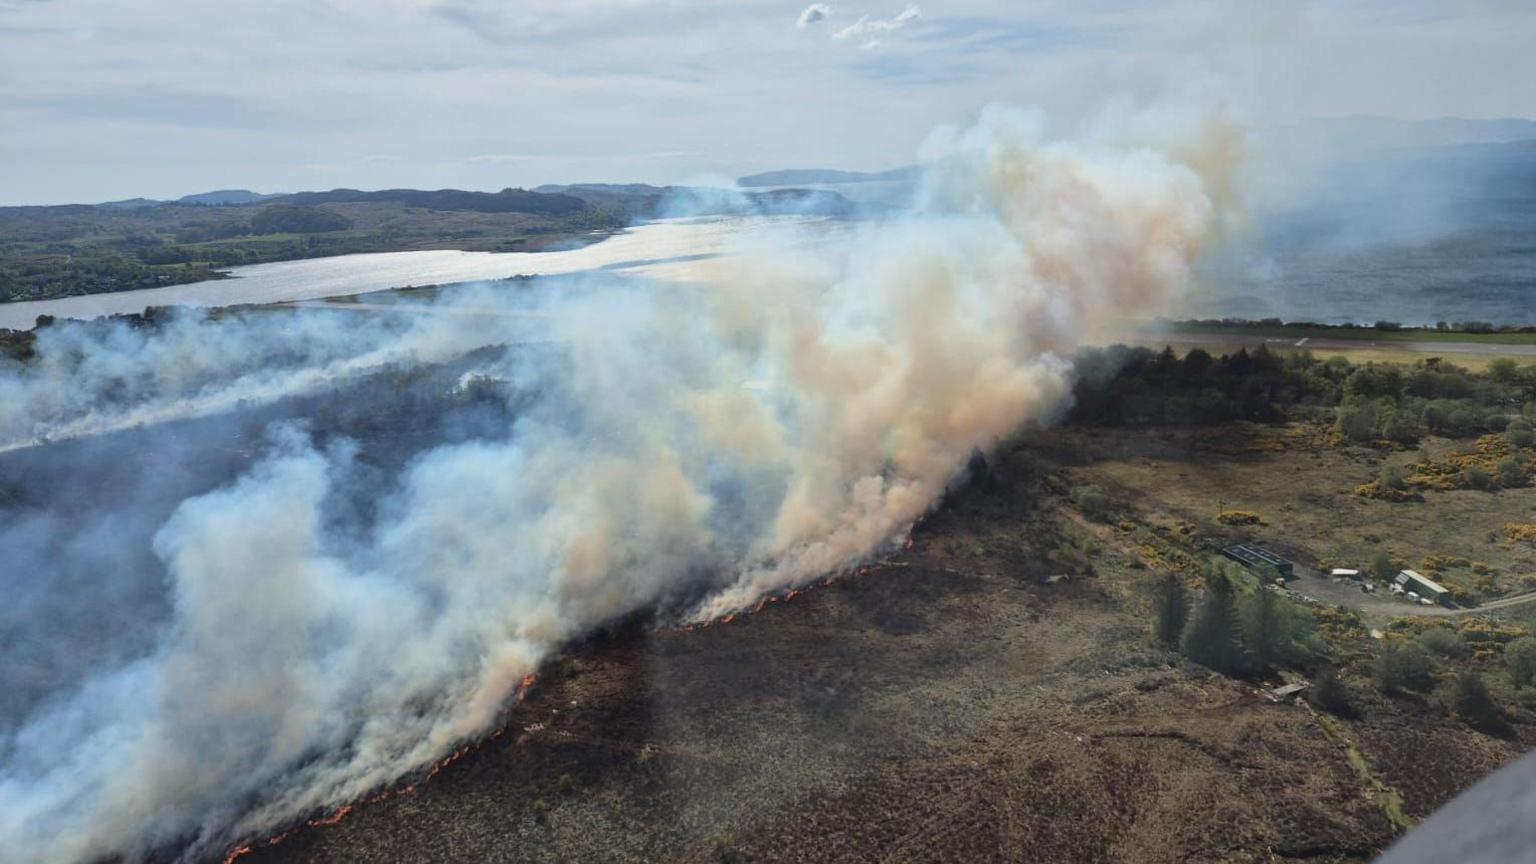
(1170, 601)
(1210, 637)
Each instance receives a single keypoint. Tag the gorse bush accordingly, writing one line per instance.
(1443, 642)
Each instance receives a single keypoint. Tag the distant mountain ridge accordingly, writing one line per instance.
(825, 176)
(505, 201)
(643, 201)
(216, 198)
(226, 196)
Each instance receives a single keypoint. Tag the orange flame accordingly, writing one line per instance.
(400, 791)
(340, 814)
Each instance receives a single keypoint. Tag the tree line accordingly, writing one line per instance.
(1125, 386)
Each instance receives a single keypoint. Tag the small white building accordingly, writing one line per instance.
(1345, 573)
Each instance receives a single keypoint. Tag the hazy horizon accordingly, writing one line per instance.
(106, 101)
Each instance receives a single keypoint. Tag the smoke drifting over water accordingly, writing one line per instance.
(689, 446)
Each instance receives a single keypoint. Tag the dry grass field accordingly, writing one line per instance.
(1304, 490)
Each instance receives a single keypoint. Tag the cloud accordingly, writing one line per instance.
(496, 158)
(812, 14)
(590, 82)
(868, 27)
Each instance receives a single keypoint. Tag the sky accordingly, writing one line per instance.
(110, 99)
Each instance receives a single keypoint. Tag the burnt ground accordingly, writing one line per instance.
(988, 694)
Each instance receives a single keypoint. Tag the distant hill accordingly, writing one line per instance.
(643, 201)
(225, 196)
(1369, 137)
(824, 176)
(127, 203)
(505, 201)
(1441, 131)
(291, 219)
(57, 251)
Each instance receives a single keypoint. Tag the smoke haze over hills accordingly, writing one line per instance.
(333, 620)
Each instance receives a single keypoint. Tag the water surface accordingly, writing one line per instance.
(650, 248)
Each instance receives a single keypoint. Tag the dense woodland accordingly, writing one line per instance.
(1122, 386)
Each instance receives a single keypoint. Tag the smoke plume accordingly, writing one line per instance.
(326, 623)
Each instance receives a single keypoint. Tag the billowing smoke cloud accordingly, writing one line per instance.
(102, 377)
(775, 416)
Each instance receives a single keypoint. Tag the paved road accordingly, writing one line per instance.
(1243, 340)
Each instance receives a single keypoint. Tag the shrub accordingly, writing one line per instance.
(1520, 660)
(1392, 477)
(1091, 502)
(1275, 630)
(1476, 478)
(1519, 433)
(1382, 566)
(1471, 702)
(1443, 641)
(1356, 422)
(1328, 693)
(1503, 370)
(1404, 666)
(1511, 471)
(1259, 622)
(725, 848)
(1403, 427)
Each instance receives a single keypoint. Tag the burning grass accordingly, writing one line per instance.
(988, 693)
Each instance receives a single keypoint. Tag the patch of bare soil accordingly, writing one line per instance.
(987, 695)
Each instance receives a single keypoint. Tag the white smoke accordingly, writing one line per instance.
(780, 417)
(92, 379)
